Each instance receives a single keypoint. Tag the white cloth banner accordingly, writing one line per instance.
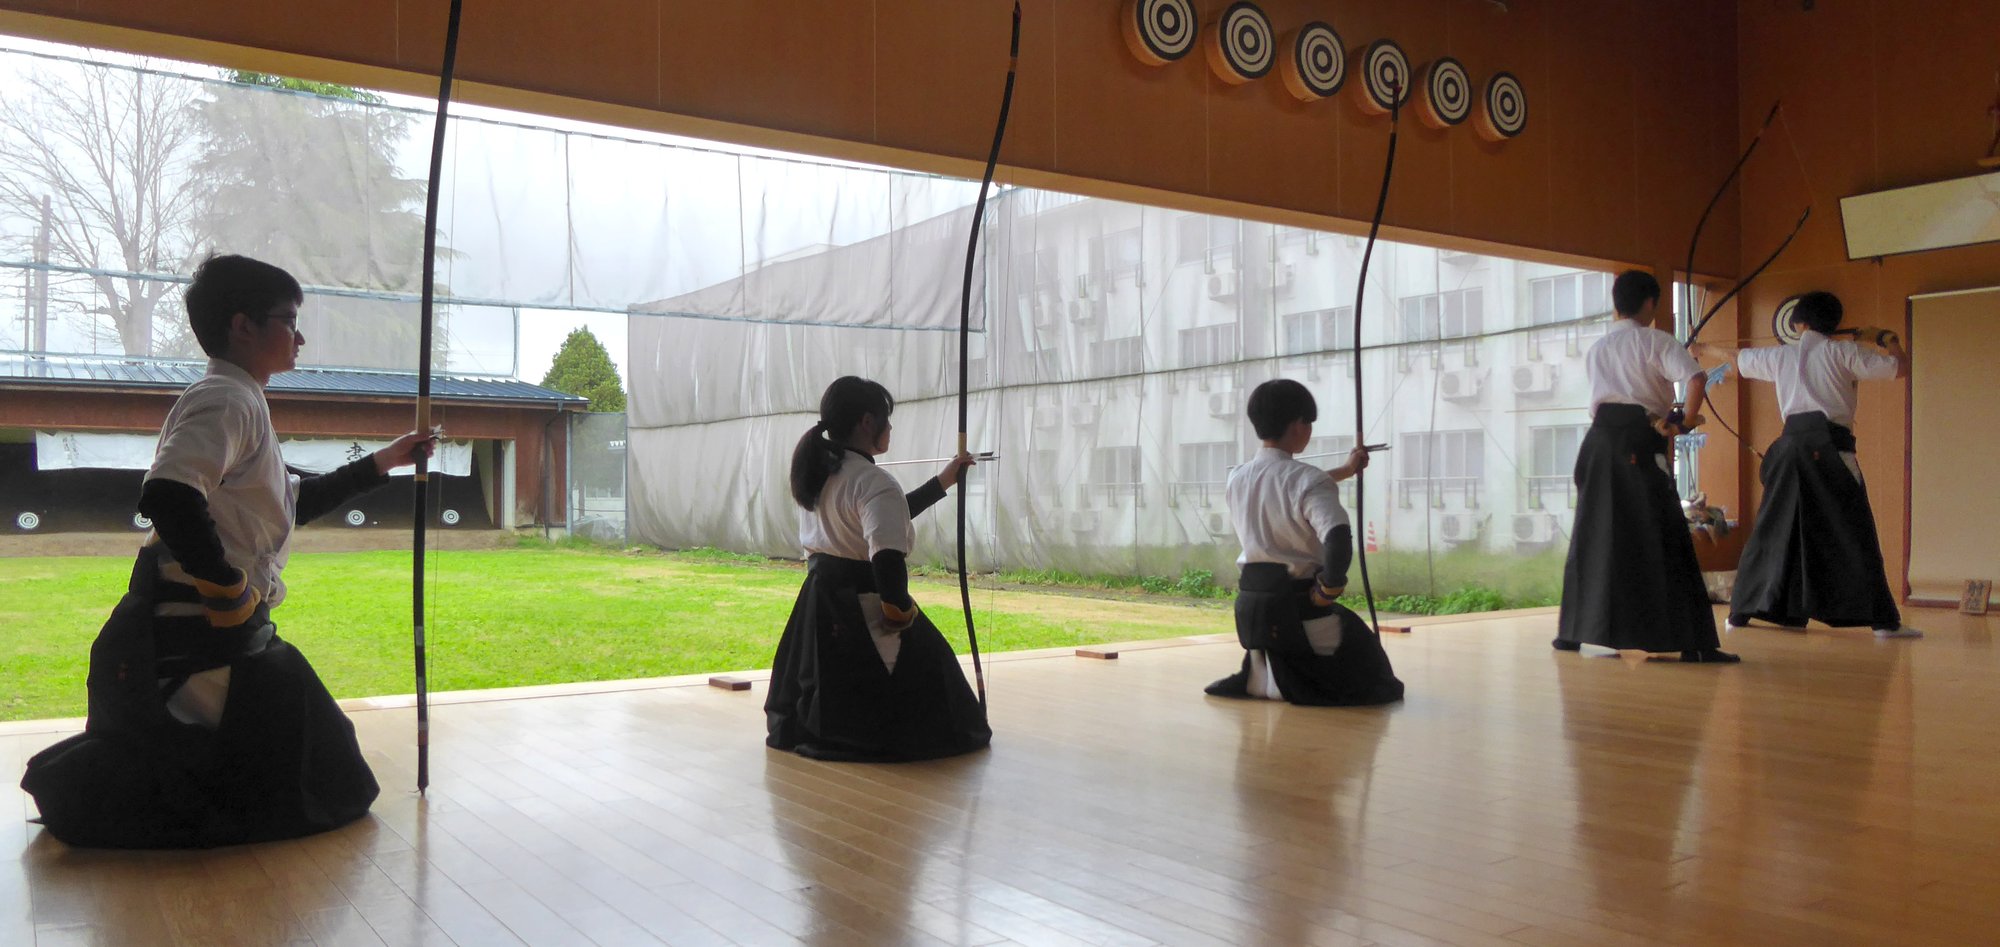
(71, 450)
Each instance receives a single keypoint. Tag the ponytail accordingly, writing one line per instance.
(813, 461)
(819, 451)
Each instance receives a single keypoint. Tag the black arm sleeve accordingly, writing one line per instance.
(320, 494)
(180, 516)
(1335, 556)
(892, 578)
(925, 497)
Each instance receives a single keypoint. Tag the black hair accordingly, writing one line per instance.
(1275, 404)
(226, 285)
(1819, 311)
(846, 402)
(1631, 290)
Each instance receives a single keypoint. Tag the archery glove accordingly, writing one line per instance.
(232, 605)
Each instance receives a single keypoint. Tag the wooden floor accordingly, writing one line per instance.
(1833, 789)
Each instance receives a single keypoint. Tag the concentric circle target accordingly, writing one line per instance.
(1447, 98)
(356, 518)
(1313, 62)
(28, 521)
(1503, 110)
(1160, 31)
(140, 521)
(1385, 77)
(1781, 322)
(450, 517)
(1241, 47)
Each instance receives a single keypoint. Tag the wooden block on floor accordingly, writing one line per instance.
(1100, 653)
(729, 682)
(1389, 629)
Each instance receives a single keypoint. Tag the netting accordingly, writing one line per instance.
(1111, 379)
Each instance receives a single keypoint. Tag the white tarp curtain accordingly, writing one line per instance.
(73, 450)
(332, 189)
(1112, 380)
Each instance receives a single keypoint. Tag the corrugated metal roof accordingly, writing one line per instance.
(86, 371)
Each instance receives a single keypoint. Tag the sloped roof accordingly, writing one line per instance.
(72, 371)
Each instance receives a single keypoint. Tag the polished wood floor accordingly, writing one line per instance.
(1832, 790)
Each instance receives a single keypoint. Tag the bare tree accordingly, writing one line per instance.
(114, 152)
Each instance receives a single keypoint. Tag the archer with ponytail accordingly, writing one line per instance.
(861, 674)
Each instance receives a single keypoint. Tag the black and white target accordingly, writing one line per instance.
(1447, 98)
(1503, 111)
(1313, 62)
(1385, 77)
(1160, 31)
(1242, 46)
(1781, 322)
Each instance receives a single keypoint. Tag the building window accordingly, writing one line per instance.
(1204, 469)
(1208, 345)
(1441, 465)
(1114, 471)
(1318, 330)
(1455, 314)
(1110, 358)
(1559, 299)
(1201, 238)
(1117, 255)
(1552, 465)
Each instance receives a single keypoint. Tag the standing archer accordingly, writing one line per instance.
(1814, 553)
(1631, 580)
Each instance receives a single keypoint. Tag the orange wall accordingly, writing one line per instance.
(1877, 96)
(1630, 102)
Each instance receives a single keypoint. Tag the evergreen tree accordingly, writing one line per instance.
(583, 368)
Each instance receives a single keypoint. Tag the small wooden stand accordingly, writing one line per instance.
(729, 682)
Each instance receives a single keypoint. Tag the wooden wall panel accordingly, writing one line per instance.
(1878, 94)
(1628, 107)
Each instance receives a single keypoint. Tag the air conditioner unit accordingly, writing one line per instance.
(1083, 521)
(1222, 404)
(1534, 529)
(1461, 384)
(1458, 527)
(1222, 285)
(1534, 378)
(1218, 524)
(1048, 415)
(1084, 415)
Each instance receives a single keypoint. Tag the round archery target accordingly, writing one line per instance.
(1503, 110)
(356, 518)
(1781, 322)
(1160, 31)
(1385, 77)
(1447, 93)
(450, 517)
(1313, 62)
(1241, 47)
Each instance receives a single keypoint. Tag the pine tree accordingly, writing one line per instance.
(583, 368)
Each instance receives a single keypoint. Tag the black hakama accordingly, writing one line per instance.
(281, 763)
(833, 697)
(1631, 581)
(1813, 553)
(1272, 609)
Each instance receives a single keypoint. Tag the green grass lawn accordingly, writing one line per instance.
(507, 617)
